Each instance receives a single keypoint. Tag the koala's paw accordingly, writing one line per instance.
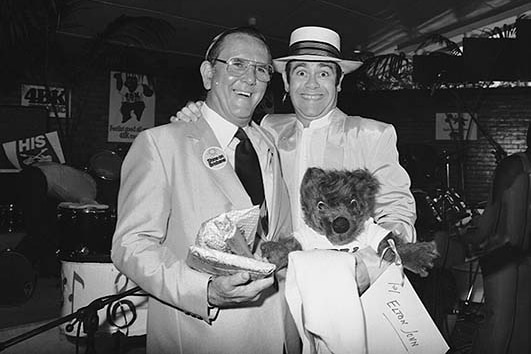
(418, 257)
(276, 253)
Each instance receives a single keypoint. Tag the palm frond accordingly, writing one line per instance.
(381, 72)
(508, 30)
(445, 44)
(141, 31)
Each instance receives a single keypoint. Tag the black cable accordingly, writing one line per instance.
(78, 336)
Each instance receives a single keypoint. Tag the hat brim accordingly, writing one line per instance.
(347, 66)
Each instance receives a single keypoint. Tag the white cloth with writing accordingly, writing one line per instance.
(322, 295)
(396, 320)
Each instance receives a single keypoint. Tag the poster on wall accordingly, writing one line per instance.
(26, 151)
(455, 126)
(37, 95)
(131, 105)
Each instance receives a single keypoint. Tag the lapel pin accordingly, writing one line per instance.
(214, 158)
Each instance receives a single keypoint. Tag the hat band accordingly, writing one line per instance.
(314, 48)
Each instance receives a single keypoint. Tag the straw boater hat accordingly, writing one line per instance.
(315, 44)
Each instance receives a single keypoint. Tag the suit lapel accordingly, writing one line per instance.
(271, 169)
(204, 140)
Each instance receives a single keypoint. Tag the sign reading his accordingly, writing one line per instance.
(26, 151)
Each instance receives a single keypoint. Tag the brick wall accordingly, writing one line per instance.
(85, 133)
(503, 113)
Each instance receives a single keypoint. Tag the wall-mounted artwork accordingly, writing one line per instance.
(131, 105)
(55, 99)
(29, 150)
(455, 126)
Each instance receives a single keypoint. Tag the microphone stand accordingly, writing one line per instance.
(87, 315)
(499, 152)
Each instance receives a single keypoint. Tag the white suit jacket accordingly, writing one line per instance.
(166, 192)
(350, 143)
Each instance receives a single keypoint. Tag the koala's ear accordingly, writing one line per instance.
(314, 173)
(369, 180)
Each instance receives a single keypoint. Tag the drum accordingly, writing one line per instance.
(445, 208)
(428, 217)
(106, 165)
(85, 231)
(450, 206)
(17, 278)
(84, 282)
(11, 218)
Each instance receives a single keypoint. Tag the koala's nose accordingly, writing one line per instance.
(340, 225)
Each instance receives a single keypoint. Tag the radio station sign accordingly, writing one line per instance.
(39, 148)
(131, 105)
(37, 95)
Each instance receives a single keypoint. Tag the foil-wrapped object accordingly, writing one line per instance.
(223, 245)
(215, 232)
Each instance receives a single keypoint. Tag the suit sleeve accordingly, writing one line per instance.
(138, 247)
(395, 205)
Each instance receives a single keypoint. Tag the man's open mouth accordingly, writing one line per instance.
(243, 93)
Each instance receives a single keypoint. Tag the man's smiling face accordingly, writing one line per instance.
(235, 97)
(313, 88)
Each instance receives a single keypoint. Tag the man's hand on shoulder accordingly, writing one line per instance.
(189, 113)
(224, 291)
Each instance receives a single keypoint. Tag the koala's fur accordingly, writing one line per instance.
(336, 204)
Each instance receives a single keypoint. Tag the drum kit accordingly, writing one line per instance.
(20, 275)
(96, 296)
(442, 214)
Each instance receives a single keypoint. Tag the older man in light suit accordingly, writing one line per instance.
(170, 186)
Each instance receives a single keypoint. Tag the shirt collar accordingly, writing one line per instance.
(320, 122)
(223, 129)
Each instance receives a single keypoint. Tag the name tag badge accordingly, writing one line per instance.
(214, 158)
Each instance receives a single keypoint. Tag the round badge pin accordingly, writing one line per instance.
(214, 158)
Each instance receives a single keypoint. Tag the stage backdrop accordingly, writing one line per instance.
(131, 105)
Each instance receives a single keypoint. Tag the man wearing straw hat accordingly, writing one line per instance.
(319, 134)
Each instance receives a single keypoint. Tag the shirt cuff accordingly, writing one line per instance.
(212, 311)
(406, 234)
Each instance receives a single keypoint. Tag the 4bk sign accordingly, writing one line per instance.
(37, 95)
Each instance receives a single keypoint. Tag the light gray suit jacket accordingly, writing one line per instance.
(350, 142)
(166, 192)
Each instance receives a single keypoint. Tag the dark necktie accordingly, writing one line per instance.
(247, 168)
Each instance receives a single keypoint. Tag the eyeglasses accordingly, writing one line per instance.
(239, 66)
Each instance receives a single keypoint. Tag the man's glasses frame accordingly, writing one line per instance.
(239, 66)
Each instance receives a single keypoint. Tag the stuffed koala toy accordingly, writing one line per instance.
(337, 204)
